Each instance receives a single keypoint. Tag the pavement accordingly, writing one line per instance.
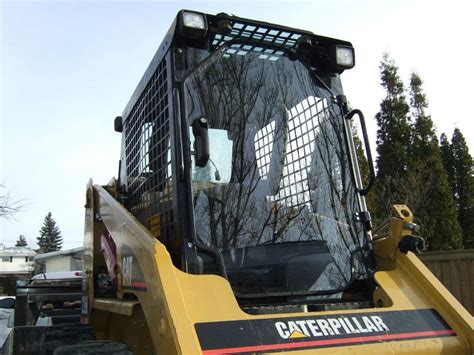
(6, 327)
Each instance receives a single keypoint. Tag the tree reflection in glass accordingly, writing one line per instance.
(283, 216)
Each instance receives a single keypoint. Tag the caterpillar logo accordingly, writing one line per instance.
(330, 326)
(248, 336)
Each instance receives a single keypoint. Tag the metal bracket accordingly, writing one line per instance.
(364, 218)
(342, 101)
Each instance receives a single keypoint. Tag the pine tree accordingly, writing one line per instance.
(21, 242)
(393, 136)
(431, 199)
(448, 162)
(364, 170)
(393, 142)
(463, 183)
(361, 158)
(424, 137)
(50, 236)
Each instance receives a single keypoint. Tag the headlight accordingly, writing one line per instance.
(345, 56)
(194, 20)
(342, 57)
(193, 24)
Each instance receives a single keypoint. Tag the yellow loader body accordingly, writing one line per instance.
(178, 313)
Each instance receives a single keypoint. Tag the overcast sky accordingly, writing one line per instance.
(69, 67)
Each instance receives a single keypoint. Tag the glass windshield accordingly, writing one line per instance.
(275, 198)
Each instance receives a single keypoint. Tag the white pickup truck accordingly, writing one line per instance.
(58, 275)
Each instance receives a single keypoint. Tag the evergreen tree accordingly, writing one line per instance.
(463, 183)
(448, 162)
(361, 158)
(424, 137)
(21, 242)
(50, 236)
(364, 169)
(393, 142)
(393, 135)
(431, 199)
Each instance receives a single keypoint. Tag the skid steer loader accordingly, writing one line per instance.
(238, 222)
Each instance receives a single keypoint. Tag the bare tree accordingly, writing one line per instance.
(9, 207)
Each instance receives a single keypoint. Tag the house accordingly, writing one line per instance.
(16, 260)
(61, 260)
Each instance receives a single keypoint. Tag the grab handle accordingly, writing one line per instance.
(365, 190)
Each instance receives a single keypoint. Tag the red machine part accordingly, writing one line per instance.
(109, 250)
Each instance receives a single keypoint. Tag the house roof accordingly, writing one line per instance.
(17, 251)
(53, 254)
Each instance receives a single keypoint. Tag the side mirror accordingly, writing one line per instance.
(118, 126)
(218, 168)
(201, 141)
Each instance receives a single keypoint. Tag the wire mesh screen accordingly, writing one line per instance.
(148, 158)
(258, 33)
(303, 131)
(243, 49)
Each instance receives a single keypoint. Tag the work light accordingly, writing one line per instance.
(194, 20)
(345, 56)
(193, 24)
(342, 57)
